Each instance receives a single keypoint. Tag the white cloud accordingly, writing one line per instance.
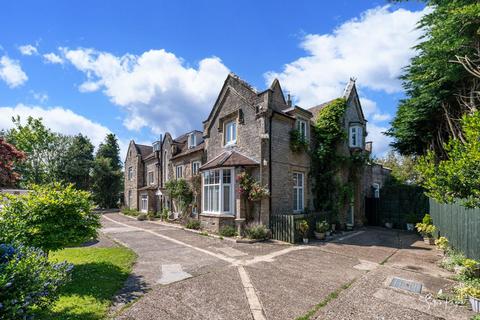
(28, 50)
(374, 48)
(52, 58)
(39, 96)
(156, 89)
(58, 119)
(11, 72)
(381, 143)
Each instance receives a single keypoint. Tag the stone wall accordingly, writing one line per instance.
(132, 160)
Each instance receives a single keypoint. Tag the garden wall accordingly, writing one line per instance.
(460, 225)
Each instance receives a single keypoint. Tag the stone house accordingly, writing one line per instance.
(250, 131)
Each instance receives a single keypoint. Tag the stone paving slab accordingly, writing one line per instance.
(370, 297)
(212, 296)
(294, 283)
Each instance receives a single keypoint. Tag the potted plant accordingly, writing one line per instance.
(303, 228)
(426, 229)
(321, 229)
(411, 219)
(473, 295)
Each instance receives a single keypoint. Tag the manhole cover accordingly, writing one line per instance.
(406, 285)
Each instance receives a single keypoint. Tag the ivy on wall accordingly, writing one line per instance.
(332, 194)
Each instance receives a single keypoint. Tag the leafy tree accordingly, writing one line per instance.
(9, 156)
(75, 164)
(439, 89)
(106, 174)
(457, 176)
(403, 167)
(49, 217)
(29, 281)
(37, 142)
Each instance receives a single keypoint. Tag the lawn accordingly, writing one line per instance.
(98, 274)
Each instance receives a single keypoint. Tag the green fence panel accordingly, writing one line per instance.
(284, 227)
(460, 225)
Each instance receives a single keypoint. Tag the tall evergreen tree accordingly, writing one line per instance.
(106, 174)
(439, 89)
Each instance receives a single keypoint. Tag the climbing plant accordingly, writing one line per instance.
(180, 191)
(332, 193)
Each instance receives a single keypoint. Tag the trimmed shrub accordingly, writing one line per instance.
(228, 231)
(193, 224)
(49, 217)
(142, 216)
(28, 280)
(258, 231)
(130, 212)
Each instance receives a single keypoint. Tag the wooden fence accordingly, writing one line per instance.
(460, 225)
(285, 226)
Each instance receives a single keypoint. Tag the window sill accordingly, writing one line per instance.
(217, 215)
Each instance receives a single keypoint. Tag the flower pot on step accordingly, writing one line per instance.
(475, 303)
(319, 235)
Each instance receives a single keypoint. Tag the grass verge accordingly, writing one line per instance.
(97, 275)
(331, 296)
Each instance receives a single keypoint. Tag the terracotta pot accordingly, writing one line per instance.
(429, 240)
(319, 235)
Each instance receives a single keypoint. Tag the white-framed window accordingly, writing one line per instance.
(230, 132)
(144, 203)
(194, 207)
(179, 172)
(298, 191)
(302, 128)
(150, 177)
(195, 167)
(130, 173)
(218, 191)
(192, 140)
(355, 137)
(376, 190)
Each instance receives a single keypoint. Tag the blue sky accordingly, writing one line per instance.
(139, 68)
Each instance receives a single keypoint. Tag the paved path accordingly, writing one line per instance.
(183, 275)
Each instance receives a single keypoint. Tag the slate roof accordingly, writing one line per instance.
(229, 159)
(186, 151)
(144, 150)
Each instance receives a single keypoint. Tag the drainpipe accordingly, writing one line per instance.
(270, 166)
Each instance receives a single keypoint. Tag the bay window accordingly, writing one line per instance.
(218, 191)
(356, 137)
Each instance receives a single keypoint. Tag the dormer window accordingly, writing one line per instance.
(192, 140)
(355, 137)
(230, 133)
(156, 146)
(302, 128)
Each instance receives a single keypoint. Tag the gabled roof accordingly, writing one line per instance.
(229, 159)
(316, 109)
